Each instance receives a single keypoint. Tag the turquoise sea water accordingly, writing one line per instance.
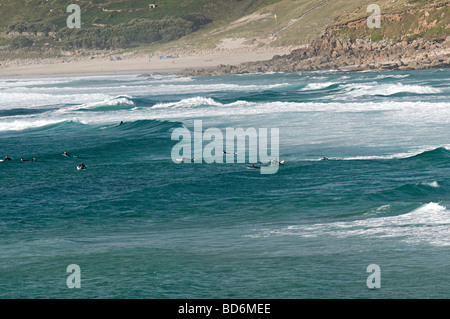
(140, 225)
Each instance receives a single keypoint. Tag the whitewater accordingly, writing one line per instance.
(141, 225)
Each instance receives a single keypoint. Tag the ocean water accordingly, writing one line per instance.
(140, 225)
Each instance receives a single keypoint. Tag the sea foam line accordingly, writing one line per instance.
(188, 108)
(428, 223)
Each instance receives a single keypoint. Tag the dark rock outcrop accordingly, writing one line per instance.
(329, 53)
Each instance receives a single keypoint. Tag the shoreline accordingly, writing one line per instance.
(323, 53)
(124, 64)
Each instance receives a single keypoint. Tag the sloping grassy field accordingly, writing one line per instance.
(115, 12)
(258, 22)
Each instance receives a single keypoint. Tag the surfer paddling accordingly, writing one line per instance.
(68, 155)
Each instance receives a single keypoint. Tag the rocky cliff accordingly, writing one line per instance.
(352, 46)
(334, 54)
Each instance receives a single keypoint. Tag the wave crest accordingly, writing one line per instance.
(189, 102)
(359, 90)
(426, 224)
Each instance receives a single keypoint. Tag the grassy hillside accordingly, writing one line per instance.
(298, 21)
(115, 12)
(38, 27)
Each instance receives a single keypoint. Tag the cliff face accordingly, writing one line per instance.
(424, 43)
(336, 54)
(428, 23)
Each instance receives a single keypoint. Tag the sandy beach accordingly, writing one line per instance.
(128, 64)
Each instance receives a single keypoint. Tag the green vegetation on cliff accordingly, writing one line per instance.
(105, 24)
(428, 22)
(39, 26)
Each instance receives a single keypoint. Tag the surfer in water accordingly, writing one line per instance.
(7, 158)
(325, 158)
(68, 155)
(81, 166)
(31, 160)
(253, 166)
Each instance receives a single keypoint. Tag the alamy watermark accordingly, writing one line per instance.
(374, 279)
(74, 279)
(374, 20)
(234, 147)
(74, 20)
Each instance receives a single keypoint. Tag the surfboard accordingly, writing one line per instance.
(279, 163)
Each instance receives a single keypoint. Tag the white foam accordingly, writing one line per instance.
(434, 184)
(392, 76)
(117, 100)
(185, 109)
(402, 155)
(194, 88)
(402, 111)
(382, 157)
(25, 123)
(367, 157)
(113, 101)
(189, 102)
(427, 224)
(27, 83)
(41, 96)
(170, 79)
(31, 83)
(358, 90)
(318, 86)
(12, 100)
